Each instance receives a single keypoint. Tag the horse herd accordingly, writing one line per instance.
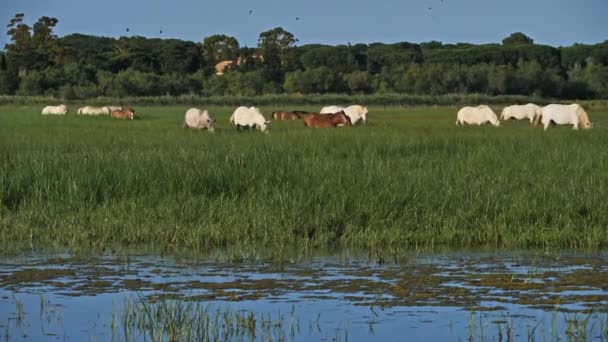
(558, 114)
(245, 118)
(115, 112)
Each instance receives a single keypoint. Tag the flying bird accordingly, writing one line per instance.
(250, 12)
(297, 18)
(161, 31)
(127, 29)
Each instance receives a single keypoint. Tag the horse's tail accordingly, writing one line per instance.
(538, 118)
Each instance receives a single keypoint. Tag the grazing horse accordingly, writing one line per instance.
(314, 120)
(55, 110)
(246, 118)
(89, 110)
(476, 116)
(559, 114)
(126, 113)
(356, 113)
(295, 115)
(529, 111)
(199, 119)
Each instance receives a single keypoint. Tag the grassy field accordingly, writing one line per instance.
(410, 179)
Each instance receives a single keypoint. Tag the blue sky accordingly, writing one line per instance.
(553, 22)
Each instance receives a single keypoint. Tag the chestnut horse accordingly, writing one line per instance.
(314, 120)
(294, 115)
(125, 113)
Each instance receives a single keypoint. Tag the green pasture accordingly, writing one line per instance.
(409, 179)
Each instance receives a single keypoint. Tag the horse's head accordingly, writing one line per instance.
(364, 114)
(583, 118)
(264, 127)
(210, 120)
(343, 118)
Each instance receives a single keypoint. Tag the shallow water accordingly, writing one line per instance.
(437, 297)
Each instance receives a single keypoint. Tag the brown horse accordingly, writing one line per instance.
(125, 113)
(286, 115)
(314, 120)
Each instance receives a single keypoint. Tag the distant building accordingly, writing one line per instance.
(220, 67)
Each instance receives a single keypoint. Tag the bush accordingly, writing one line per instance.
(318, 80)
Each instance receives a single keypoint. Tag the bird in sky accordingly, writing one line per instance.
(297, 18)
(250, 12)
(161, 31)
(127, 29)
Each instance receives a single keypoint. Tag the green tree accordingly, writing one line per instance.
(104, 80)
(3, 66)
(21, 49)
(596, 76)
(392, 55)
(244, 83)
(216, 85)
(276, 48)
(517, 38)
(48, 48)
(314, 81)
(359, 82)
(31, 84)
(217, 48)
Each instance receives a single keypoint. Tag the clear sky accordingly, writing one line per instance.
(553, 22)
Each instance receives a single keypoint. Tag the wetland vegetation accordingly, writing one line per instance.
(452, 296)
(409, 179)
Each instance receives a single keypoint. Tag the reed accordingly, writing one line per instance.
(409, 179)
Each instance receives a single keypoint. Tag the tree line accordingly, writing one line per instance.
(38, 62)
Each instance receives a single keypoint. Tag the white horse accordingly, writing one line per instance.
(520, 112)
(55, 110)
(477, 116)
(573, 114)
(251, 117)
(199, 119)
(89, 110)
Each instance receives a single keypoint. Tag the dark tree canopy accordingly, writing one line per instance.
(219, 47)
(38, 62)
(517, 38)
(277, 50)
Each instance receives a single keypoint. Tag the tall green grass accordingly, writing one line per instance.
(410, 178)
